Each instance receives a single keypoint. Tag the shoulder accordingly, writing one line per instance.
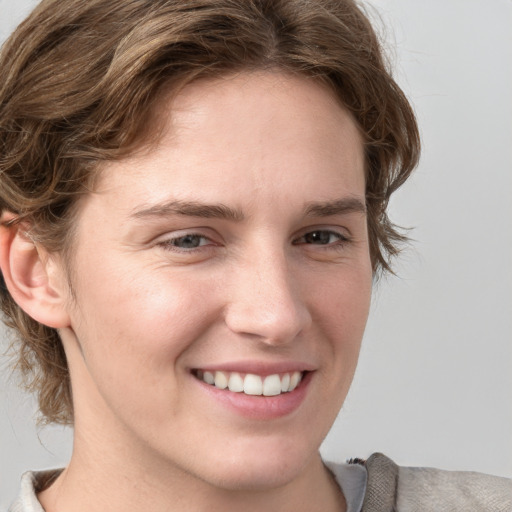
(393, 488)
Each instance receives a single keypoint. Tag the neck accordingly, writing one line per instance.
(101, 483)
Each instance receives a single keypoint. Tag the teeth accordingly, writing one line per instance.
(208, 378)
(251, 384)
(294, 380)
(285, 383)
(272, 385)
(221, 381)
(235, 383)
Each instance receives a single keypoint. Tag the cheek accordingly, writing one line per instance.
(144, 307)
(132, 334)
(341, 308)
(341, 312)
(342, 302)
(139, 325)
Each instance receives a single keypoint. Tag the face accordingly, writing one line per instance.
(234, 252)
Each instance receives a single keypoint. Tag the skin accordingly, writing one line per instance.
(274, 287)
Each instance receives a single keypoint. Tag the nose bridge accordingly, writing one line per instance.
(265, 300)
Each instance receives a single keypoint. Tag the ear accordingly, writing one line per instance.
(36, 280)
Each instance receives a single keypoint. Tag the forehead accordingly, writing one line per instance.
(239, 135)
(252, 101)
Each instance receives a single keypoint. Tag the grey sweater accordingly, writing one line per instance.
(391, 488)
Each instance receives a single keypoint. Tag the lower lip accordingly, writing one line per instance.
(260, 407)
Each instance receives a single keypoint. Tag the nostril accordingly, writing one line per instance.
(274, 324)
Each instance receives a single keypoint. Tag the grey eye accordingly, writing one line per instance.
(188, 241)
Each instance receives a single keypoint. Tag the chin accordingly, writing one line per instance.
(254, 478)
(261, 468)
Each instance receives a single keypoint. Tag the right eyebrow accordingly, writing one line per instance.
(336, 207)
(189, 209)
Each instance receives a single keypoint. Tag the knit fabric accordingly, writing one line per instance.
(391, 488)
(381, 484)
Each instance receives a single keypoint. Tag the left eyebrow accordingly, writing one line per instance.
(336, 207)
(190, 209)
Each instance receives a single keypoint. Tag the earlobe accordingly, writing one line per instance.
(32, 276)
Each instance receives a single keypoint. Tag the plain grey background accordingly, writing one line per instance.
(434, 383)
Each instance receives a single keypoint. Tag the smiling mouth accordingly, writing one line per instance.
(250, 383)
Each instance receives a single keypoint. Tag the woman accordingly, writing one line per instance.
(193, 211)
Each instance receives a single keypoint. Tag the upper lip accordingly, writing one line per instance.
(258, 367)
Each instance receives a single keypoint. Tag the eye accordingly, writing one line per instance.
(186, 242)
(322, 237)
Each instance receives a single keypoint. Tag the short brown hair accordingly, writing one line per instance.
(80, 78)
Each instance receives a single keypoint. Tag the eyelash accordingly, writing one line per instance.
(342, 239)
(170, 244)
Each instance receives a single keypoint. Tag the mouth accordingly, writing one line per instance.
(250, 383)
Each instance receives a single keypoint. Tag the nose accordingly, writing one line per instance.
(265, 300)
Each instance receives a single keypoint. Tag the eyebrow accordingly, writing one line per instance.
(190, 209)
(337, 207)
(222, 211)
